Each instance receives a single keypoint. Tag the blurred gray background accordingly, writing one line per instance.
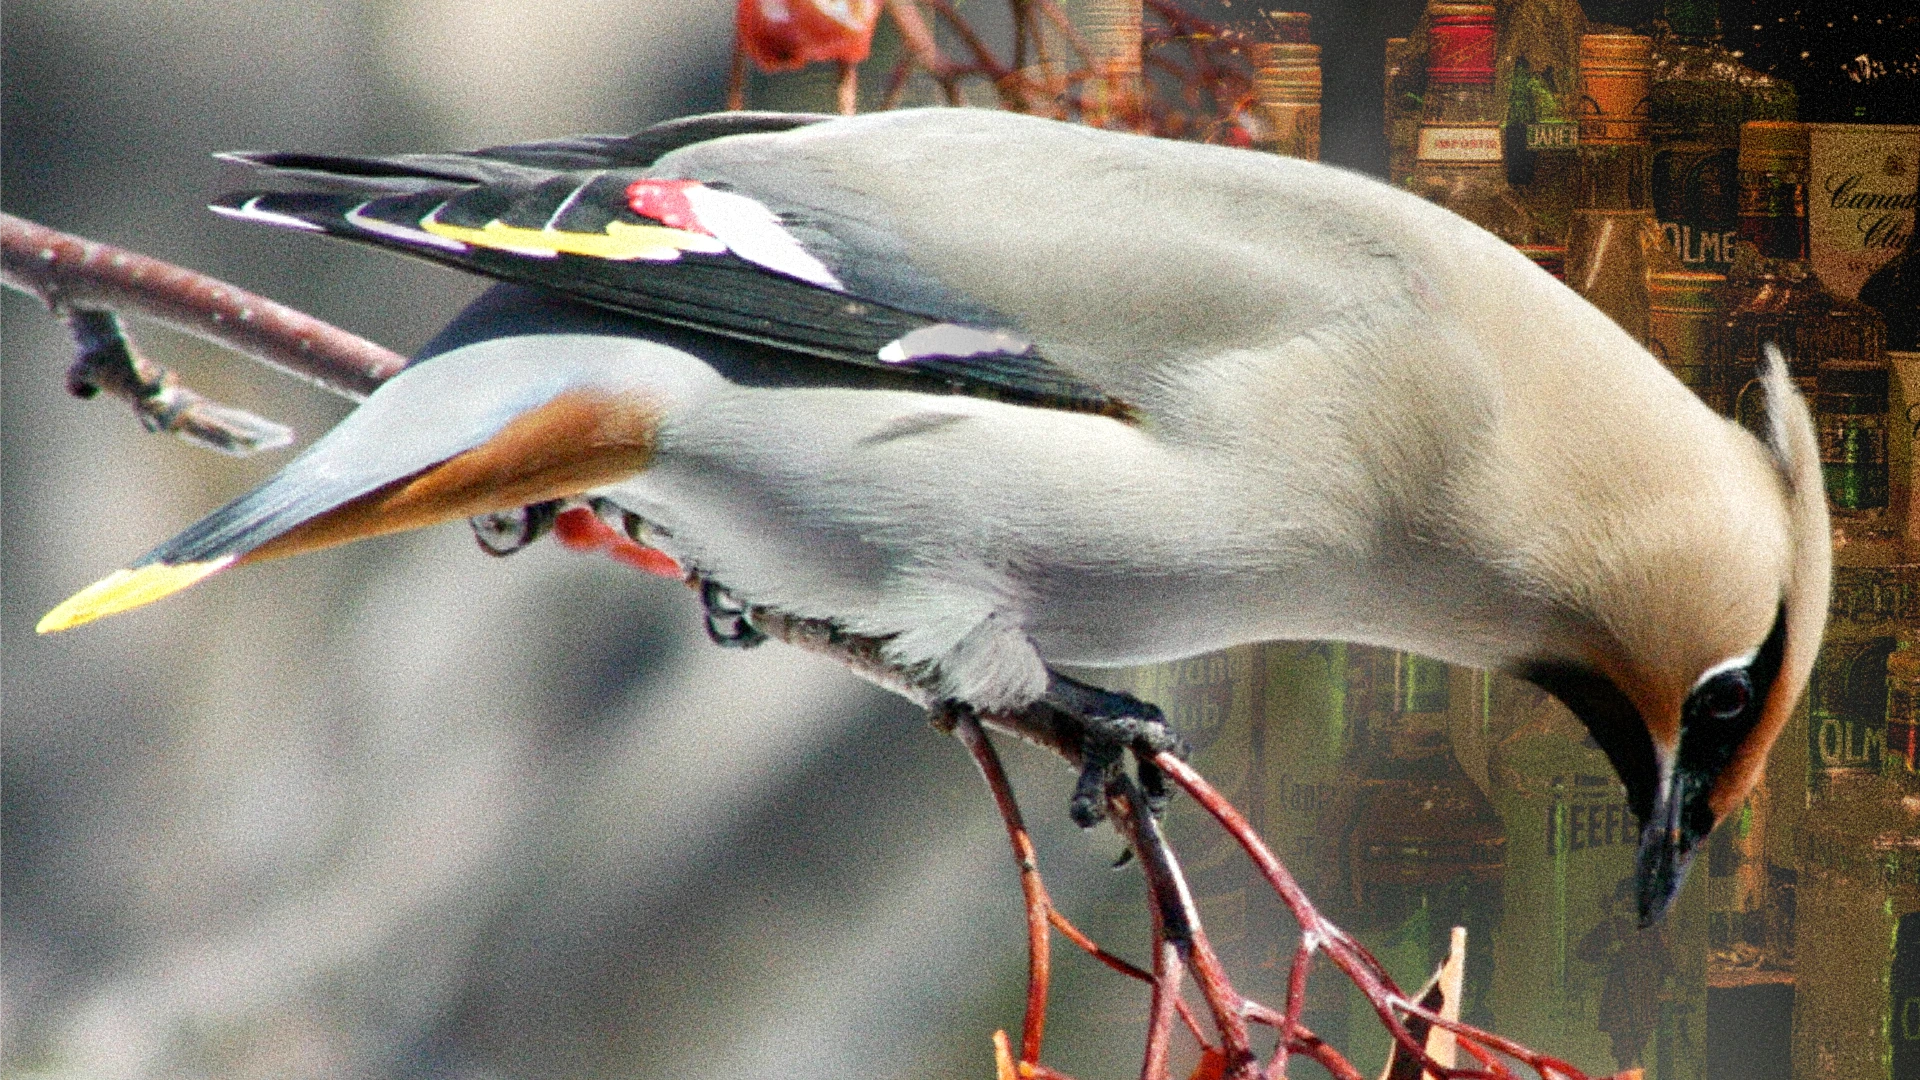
(401, 810)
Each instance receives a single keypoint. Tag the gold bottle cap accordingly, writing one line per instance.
(1773, 146)
(1460, 12)
(1684, 290)
(1616, 71)
(1616, 52)
(1285, 72)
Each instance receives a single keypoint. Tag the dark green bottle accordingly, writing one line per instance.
(1701, 95)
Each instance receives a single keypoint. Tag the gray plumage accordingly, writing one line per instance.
(1348, 414)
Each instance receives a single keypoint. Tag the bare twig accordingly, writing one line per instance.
(69, 273)
(107, 362)
(1039, 905)
(737, 79)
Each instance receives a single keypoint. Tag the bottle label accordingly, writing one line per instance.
(1847, 718)
(1860, 199)
(1470, 145)
(1559, 136)
(1696, 197)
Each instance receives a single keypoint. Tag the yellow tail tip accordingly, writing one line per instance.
(124, 590)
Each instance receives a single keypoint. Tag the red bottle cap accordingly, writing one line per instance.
(1460, 46)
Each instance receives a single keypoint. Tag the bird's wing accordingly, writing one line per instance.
(588, 218)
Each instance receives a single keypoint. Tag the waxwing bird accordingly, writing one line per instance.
(1001, 394)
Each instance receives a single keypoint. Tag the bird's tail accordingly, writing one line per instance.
(489, 429)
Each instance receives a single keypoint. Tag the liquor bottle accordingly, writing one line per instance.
(1700, 96)
(1114, 36)
(1571, 970)
(1459, 161)
(1859, 866)
(1286, 85)
(1417, 846)
(1405, 90)
(1615, 242)
(1616, 73)
(1682, 311)
(1834, 346)
(1538, 77)
(1894, 289)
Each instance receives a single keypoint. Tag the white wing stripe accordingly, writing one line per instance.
(754, 233)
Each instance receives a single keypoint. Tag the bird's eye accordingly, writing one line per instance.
(1725, 696)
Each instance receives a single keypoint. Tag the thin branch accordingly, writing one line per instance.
(847, 88)
(108, 363)
(68, 273)
(737, 78)
(1039, 906)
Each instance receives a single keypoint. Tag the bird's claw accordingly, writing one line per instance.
(1099, 764)
(727, 622)
(1112, 723)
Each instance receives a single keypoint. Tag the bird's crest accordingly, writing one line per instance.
(1787, 432)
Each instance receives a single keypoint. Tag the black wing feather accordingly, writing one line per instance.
(579, 185)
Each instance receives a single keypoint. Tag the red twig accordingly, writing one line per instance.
(1320, 934)
(1038, 904)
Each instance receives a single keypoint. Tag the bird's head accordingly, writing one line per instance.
(1695, 634)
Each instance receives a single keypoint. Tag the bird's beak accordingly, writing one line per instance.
(1666, 795)
(394, 465)
(1668, 839)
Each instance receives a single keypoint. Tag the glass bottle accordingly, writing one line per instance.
(1571, 968)
(1616, 72)
(1538, 77)
(1286, 85)
(1682, 310)
(1459, 160)
(1858, 868)
(1614, 242)
(1419, 848)
(1112, 30)
(1833, 345)
(1700, 96)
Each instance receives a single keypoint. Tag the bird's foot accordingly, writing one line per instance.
(1111, 724)
(727, 622)
(505, 532)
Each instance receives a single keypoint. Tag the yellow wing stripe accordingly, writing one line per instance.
(124, 590)
(619, 242)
